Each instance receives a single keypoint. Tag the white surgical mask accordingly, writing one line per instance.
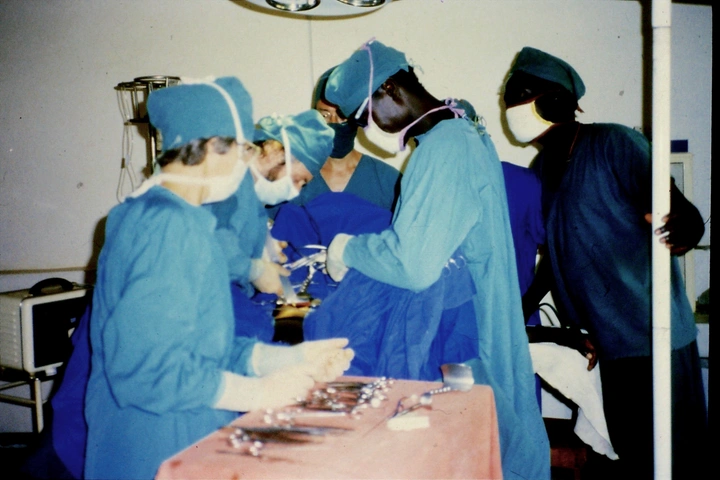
(223, 187)
(395, 142)
(219, 187)
(525, 122)
(272, 193)
(281, 190)
(390, 142)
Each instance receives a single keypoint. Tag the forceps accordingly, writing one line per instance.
(304, 261)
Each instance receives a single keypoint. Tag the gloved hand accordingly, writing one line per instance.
(266, 275)
(275, 250)
(280, 388)
(335, 265)
(326, 359)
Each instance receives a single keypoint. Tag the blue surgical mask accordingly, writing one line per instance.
(344, 140)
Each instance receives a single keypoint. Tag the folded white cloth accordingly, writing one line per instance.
(565, 369)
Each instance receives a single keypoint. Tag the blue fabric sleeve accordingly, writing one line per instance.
(238, 260)
(428, 226)
(628, 152)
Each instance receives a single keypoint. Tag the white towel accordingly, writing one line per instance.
(565, 369)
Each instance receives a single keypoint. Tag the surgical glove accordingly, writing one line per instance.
(326, 359)
(335, 265)
(274, 249)
(280, 388)
(268, 279)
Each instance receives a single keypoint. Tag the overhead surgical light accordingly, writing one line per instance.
(320, 8)
(293, 5)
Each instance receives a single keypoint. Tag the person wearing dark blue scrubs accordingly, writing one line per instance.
(596, 196)
(452, 206)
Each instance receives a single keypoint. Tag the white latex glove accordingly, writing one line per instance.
(336, 268)
(268, 278)
(274, 249)
(326, 359)
(280, 388)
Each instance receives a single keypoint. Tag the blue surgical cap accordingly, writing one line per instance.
(319, 93)
(198, 109)
(311, 139)
(347, 85)
(543, 65)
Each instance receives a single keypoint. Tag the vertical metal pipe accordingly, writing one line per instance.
(36, 394)
(661, 346)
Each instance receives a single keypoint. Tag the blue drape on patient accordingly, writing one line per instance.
(395, 332)
(317, 222)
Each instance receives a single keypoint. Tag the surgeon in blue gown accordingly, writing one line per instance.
(242, 219)
(452, 201)
(167, 368)
(241, 231)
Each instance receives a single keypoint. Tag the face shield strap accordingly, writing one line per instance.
(286, 143)
(367, 101)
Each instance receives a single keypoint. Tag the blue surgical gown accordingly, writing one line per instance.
(242, 226)
(599, 243)
(453, 197)
(161, 334)
(241, 230)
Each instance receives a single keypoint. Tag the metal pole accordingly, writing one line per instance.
(661, 346)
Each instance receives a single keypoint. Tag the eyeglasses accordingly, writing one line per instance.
(332, 117)
(250, 151)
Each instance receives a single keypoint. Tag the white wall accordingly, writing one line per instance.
(692, 111)
(60, 137)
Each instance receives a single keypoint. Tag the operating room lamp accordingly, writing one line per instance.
(320, 8)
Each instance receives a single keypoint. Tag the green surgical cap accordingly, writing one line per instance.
(347, 85)
(311, 139)
(319, 93)
(543, 65)
(199, 109)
